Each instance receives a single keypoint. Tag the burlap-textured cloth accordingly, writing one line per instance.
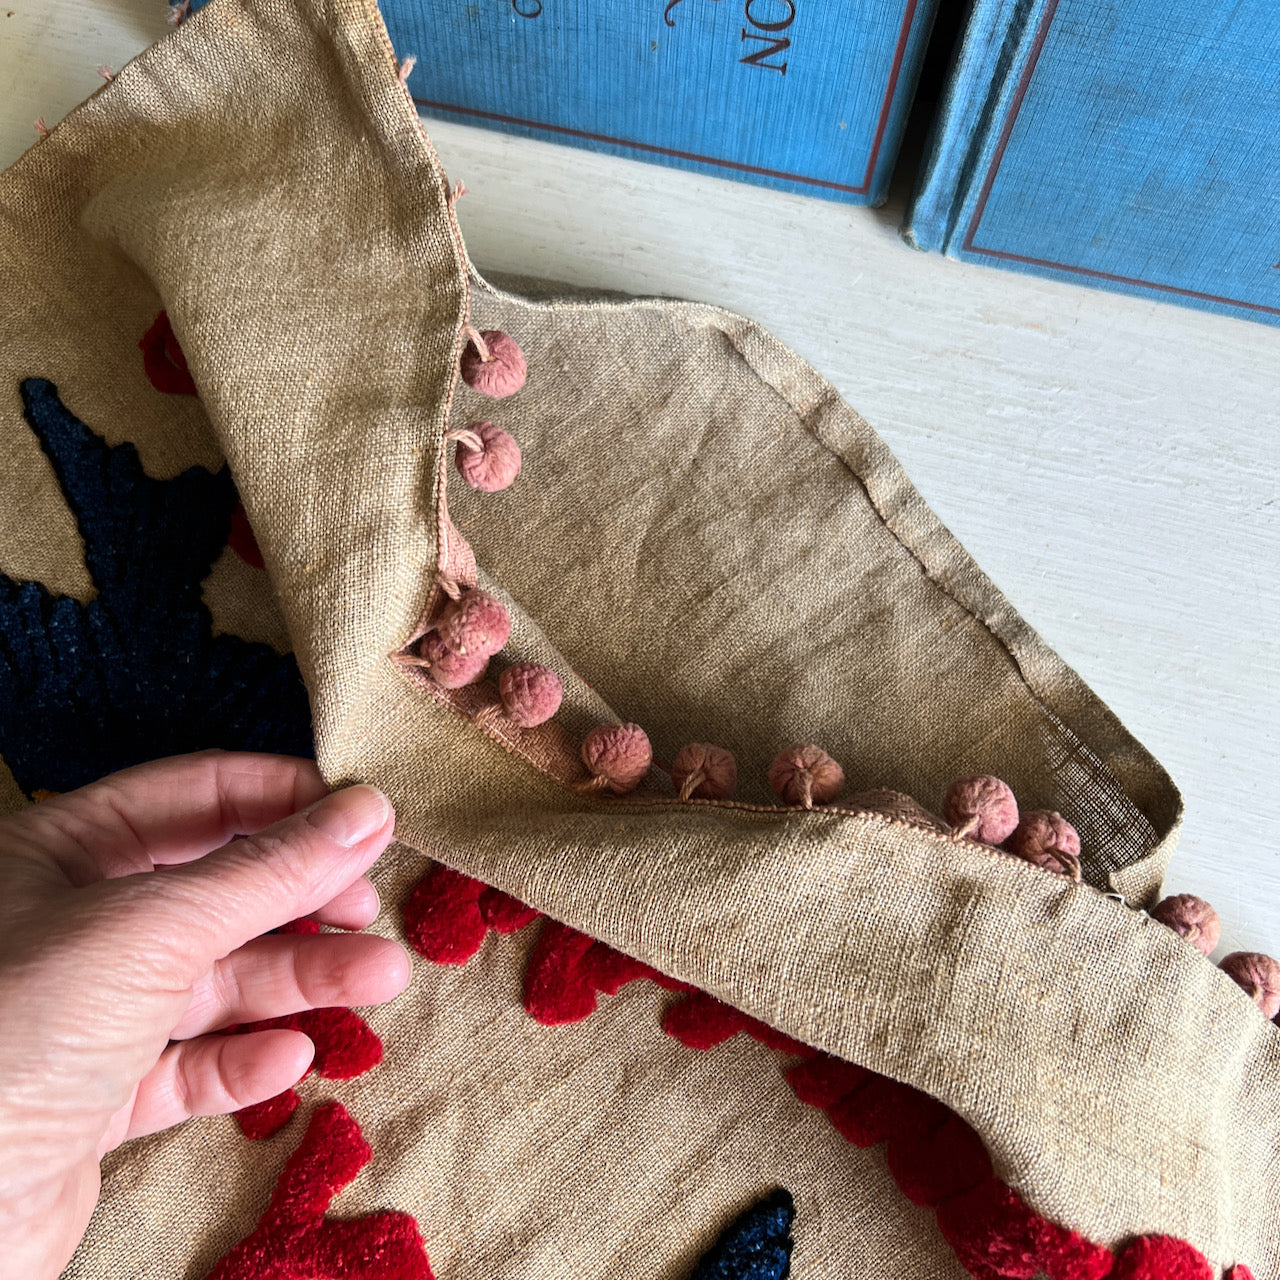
(705, 540)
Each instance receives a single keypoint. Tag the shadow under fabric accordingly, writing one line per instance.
(704, 540)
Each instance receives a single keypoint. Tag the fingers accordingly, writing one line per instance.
(356, 907)
(216, 1075)
(194, 914)
(286, 973)
(168, 811)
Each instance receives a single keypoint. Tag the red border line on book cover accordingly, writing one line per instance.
(1042, 33)
(882, 125)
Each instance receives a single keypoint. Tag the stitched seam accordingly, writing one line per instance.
(464, 269)
(640, 805)
(827, 395)
(716, 317)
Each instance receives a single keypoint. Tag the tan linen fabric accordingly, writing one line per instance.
(527, 1152)
(705, 540)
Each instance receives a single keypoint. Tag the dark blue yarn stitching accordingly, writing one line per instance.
(137, 672)
(757, 1246)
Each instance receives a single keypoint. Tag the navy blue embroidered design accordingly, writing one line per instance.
(136, 673)
(757, 1246)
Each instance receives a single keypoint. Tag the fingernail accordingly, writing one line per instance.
(350, 815)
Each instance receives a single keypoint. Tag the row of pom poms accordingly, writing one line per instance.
(487, 457)
(474, 627)
(982, 808)
(619, 756)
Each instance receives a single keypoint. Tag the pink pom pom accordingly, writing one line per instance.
(492, 466)
(982, 808)
(1048, 840)
(702, 771)
(475, 623)
(805, 775)
(531, 693)
(448, 668)
(1191, 917)
(493, 364)
(1258, 976)
(618, 755)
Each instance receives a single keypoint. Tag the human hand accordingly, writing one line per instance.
(110, 977)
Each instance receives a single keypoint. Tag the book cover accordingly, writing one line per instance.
(1134, 146)
(803, 95)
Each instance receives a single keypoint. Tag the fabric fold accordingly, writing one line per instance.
(705, 540)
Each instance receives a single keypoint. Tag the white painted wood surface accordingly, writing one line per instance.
(1112, 463)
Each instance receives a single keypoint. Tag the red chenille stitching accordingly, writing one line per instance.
(448, 914)
(998, 1237)
(346, 1046)
(938, 1165)
(823, 1080)
(294, 1241)
(503, 913)
(442, 916)
(702, 1022)
(1162, 1258)
(163, 360)
(567, 970)
(936, 1158)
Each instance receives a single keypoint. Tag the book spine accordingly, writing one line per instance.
(808, 96)
(983, 71)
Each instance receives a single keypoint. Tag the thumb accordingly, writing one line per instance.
(207, 908)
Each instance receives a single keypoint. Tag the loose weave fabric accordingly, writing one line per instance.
(705, 540)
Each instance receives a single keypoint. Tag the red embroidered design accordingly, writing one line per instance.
(997, 1237)
(567, 970)
(940, 1163)
(163, 359)
(702, 1022)
(448, 914)
(864, 1107)
(262, 1119)
(937, 1159)
(346, 1046)
(1164, 1258)
(503, 913)
(294, 1241)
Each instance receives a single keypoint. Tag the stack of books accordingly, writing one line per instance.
(802, 95)
(1133, 146)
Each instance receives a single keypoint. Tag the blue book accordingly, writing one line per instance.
(1132, 145)
(803, 95)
